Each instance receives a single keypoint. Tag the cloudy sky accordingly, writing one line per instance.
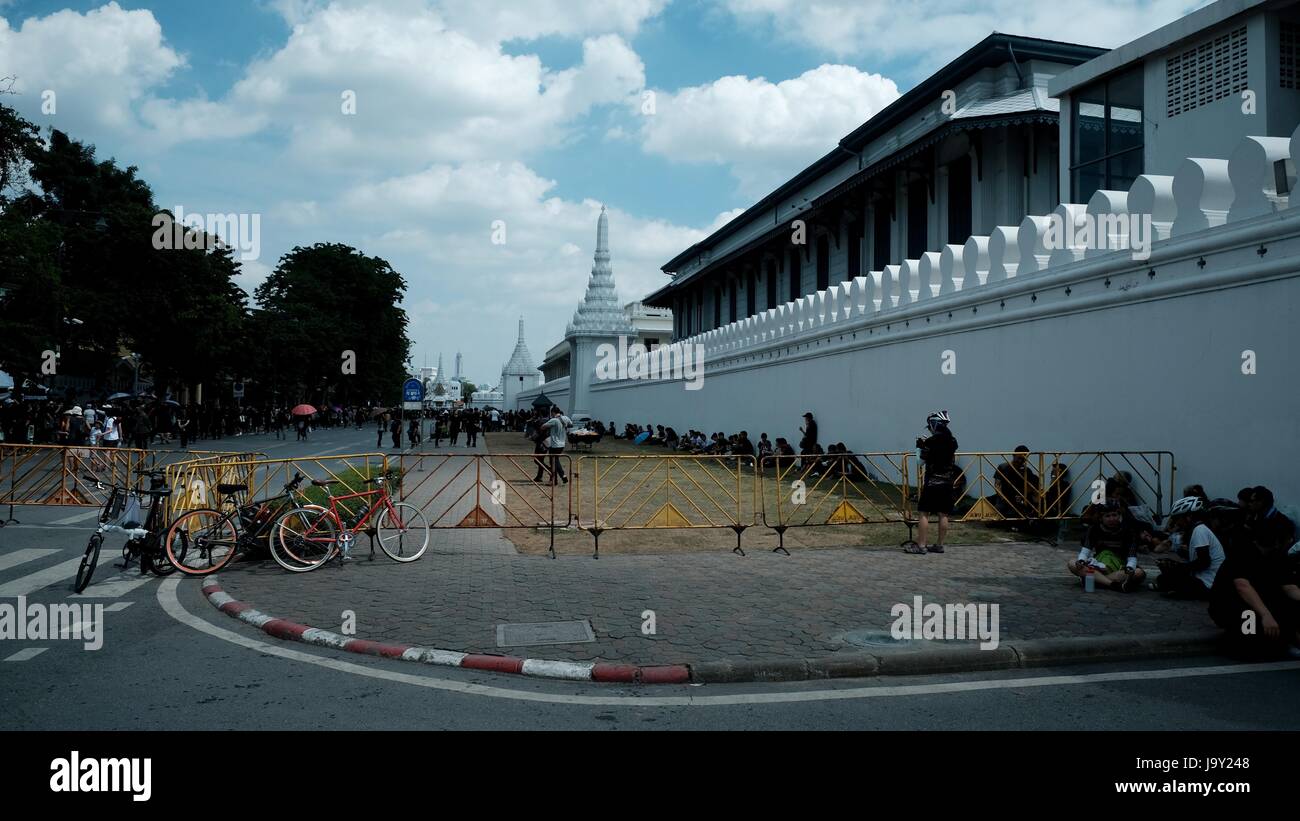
(676, 114)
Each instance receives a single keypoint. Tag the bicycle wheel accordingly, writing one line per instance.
(201, 542)
(403, 532)
(153, 554)
(304, 538)
(88, 562)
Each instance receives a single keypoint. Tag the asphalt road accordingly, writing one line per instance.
(170, 661)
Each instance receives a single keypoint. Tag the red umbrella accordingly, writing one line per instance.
(303, 410)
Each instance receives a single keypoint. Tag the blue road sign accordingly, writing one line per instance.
(413, 391)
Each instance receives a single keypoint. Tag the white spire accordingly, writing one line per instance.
(521, 361)
(600, 313)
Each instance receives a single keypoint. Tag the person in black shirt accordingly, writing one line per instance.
(1015, 487)
(1110, 548)
(938, 490)
(1255, 598)
(1268, 530)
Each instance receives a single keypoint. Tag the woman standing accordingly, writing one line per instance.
(939, 490)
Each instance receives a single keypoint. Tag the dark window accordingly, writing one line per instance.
(855, 250)
(880, 236)
(731, 300)
(717, 307)
(750, 298)
(918, 210)
(650, 342)
(959, 201)
(1106, 136)
(796, 275)
(823, 263)
(771, 283)
(699, 310)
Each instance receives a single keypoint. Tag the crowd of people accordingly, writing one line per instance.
(437, 425)
(1240, 555)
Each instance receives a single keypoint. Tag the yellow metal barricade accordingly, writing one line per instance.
(666, 492)
(62, 475)
(477, 490)
(820, 490)
(1055, 485)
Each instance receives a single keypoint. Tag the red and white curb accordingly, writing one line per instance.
(541, 668)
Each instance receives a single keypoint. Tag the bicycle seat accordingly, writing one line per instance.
(229, 489)
(326, 482)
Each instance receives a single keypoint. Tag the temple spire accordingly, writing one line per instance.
(600, 312)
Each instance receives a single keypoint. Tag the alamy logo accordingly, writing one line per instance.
(206, 232)
(43, 622)
(950, 622)
(77, 774)
(635, 361)
(1101, 232)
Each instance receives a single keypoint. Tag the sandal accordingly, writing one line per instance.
(914, 549)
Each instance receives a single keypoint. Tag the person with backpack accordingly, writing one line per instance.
(940, 488)
(395, 428)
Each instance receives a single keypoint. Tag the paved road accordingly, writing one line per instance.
(170, 661)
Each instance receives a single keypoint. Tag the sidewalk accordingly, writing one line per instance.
(762, 617)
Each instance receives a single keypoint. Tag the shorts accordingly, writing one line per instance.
(936, 498)
(1108, 561)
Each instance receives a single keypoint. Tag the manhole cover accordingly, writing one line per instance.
(544, 632)
(873, 638)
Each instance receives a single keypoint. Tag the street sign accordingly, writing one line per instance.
(238, 390)
(413, 406)
(413, 391)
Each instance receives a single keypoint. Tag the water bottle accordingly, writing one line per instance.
(1089, 581)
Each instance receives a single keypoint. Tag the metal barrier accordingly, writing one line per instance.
(198, 484)
(997, 487)
(483, 491)
(832, 489)
(666, 493)
(56, 474)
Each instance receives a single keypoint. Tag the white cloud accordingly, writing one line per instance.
(928, 33)
(100, 65)
(764, 130)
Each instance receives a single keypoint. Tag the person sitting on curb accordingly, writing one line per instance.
(1196, 552)
(1110, 550)
(1256, 598)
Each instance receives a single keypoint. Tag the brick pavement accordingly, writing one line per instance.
(708, 606)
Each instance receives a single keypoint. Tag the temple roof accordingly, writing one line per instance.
(521, 361)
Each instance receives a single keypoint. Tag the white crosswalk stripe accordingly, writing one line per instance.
(83, 516)
(61, 573)
(17, 557)
(27, 653)
(112, 587)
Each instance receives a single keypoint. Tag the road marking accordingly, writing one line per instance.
(45, 527)
(117, 607)
(27, 653)
(113, 587)
(79, 517)
(17, 557)
(21, 586)
(171, 605)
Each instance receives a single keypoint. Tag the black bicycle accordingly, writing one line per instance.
(136, 512)
(203, 541)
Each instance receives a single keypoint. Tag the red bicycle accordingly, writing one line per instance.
(308, 536)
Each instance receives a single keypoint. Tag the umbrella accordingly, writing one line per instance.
(641, 437)
(171, 402)
(303, 410)
(542, 401)
(118, 396)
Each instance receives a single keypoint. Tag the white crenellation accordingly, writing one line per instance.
(1004, 253)
(1062, 241)
(1202, 195)
(1032, 238)
(1253, 174)
(1153, 195)
(975, 261)
(1108, 213)
(952, 269)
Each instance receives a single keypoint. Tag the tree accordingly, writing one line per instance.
(467, 389)
(325, 306)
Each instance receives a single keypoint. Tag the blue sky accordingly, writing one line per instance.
(469, 112)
